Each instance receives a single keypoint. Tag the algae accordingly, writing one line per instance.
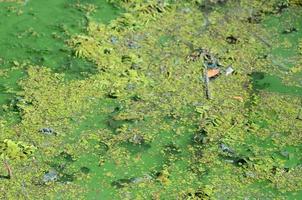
(138, 125)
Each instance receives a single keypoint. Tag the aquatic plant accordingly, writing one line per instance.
(141, 126)
(11, 150)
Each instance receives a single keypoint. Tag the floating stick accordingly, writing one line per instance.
(206, 81)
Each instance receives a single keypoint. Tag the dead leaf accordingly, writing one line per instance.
(213, 72)
(239, 98)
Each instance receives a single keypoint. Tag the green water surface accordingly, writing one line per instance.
(36, 33)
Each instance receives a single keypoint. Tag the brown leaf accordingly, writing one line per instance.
(213, 72)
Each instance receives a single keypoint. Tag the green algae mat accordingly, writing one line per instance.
(133, 99)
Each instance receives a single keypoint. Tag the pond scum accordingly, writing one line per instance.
(141, 126)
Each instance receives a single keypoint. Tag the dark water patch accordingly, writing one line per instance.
(85, 170)
(120, 183)
(103, 148)
(263, 81)
(199, 138)
(37, 32)
(4, 177)
(67, 157)
(124, 182)
(286, 29)
(66, 178)
(60, 173)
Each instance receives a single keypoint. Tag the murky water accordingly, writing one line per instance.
(35, 33)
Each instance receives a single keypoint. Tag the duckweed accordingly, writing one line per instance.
(135, 122)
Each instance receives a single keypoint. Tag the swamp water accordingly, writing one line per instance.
(111, 149)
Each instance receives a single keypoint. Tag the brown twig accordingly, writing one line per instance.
(8, 168)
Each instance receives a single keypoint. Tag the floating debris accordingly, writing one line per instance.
(67, 178)
(229, 70)
(14, 103)
(232, 40)
(132, 44)
(121, 183)
(239, 98)
(199, 194)
(255, 18)
(240, 161)
(231, 157)
(137, 139)
(50, 176)
(213, 73)
(113, 40)
(200, 138)
(210, 60)
(236, 160)
(47, 131)
(195, 55)
(143, 179)
(226, 149)
(290, 30)
(113, 94)
(135, 66)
